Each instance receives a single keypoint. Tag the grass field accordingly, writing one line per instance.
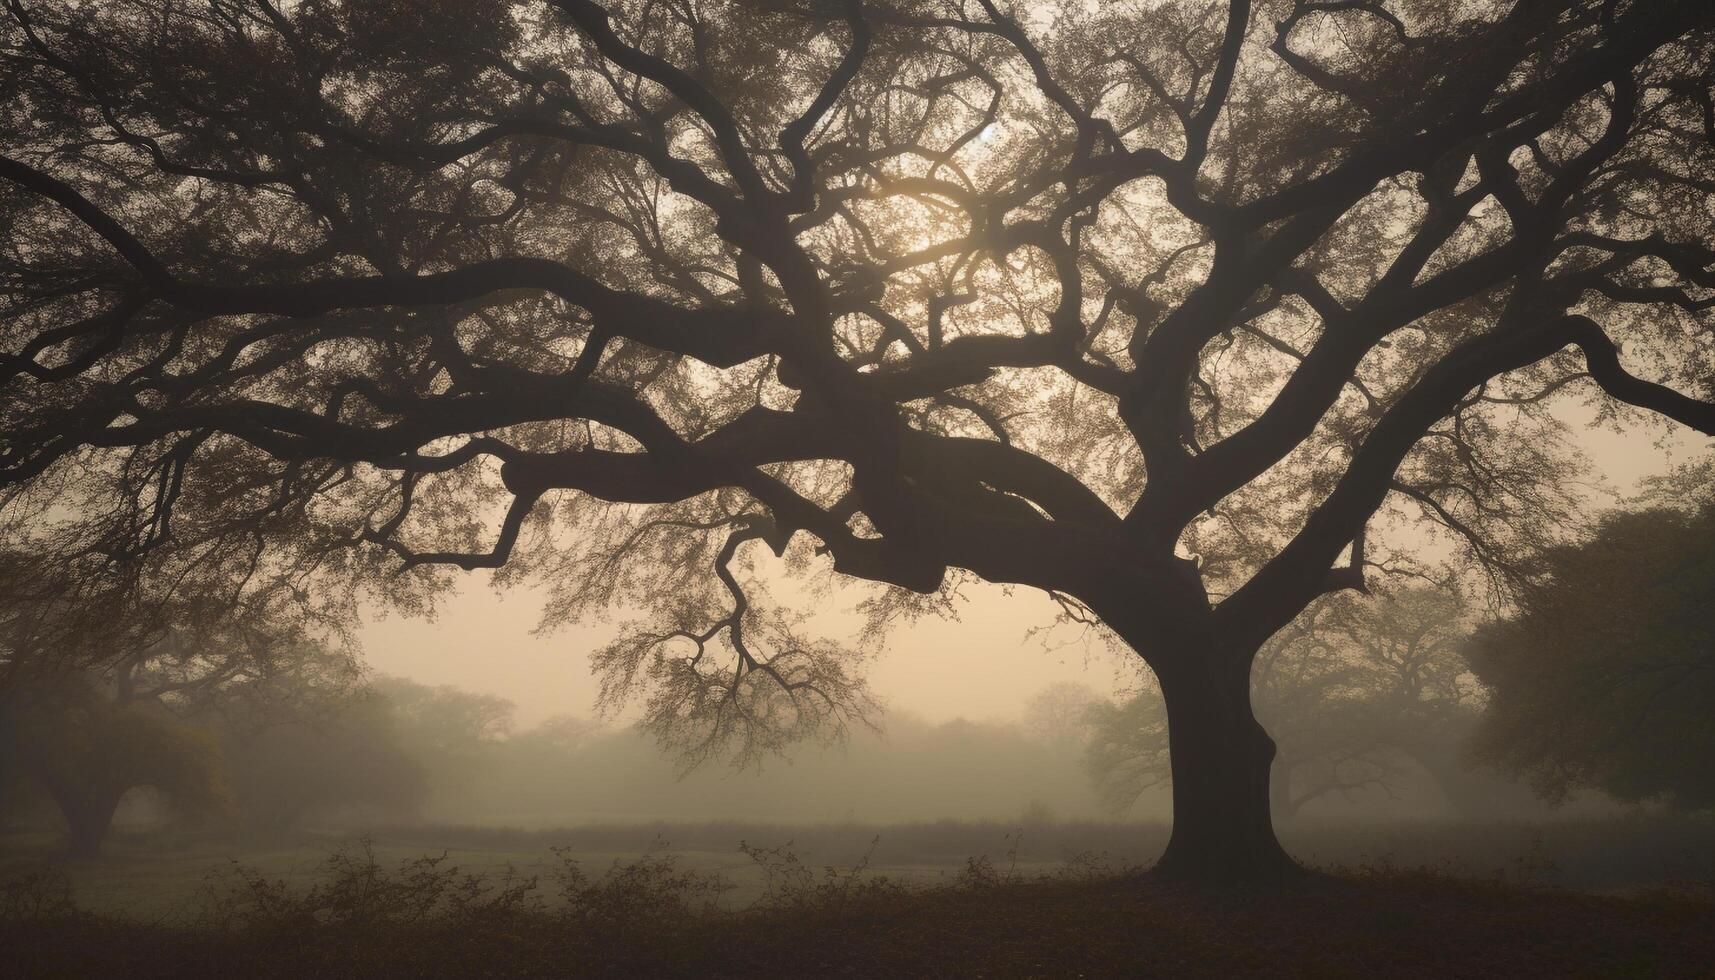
(153, 878)
(158, 876)
(1629, 898)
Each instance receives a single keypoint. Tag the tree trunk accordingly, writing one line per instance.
(1222, 757)
(88, 817)
(89, 828)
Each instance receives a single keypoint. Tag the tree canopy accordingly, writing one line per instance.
(114, 682)
(86, 751)
(1604, 677)
(1155, 306)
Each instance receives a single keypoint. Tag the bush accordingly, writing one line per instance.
(35, 895)
(356, 891)
(789, 883)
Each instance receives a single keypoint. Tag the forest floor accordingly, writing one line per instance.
(489, 903)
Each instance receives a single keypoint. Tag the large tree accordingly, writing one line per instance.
(1154, 306)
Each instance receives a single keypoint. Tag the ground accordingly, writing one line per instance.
(377, 912)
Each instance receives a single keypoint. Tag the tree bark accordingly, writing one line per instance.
(1222, 829)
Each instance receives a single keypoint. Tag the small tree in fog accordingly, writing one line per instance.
(1059, 714)
(317, 741)
(452, 735)
(1155, 307)
(86, 750)
(1604, 677)
(108, 686)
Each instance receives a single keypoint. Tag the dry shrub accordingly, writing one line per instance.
(35, 895)
(789, 883)
(650, 888)
(354, 890)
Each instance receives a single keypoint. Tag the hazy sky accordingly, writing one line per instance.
(982, 666)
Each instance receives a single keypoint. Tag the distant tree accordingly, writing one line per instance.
(110, 684)
(1394, 694)
(1356, 694)
(1127, 754)
(338, 757)
(444, 719)
(310, 736)
(1604, 676)
(1060, 713)
(86, 750)
(454, 736)
(562, 733)
(1151, 306)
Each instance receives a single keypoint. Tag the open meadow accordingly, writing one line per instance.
(1632, 897)
(155, 876)
(1618, 897)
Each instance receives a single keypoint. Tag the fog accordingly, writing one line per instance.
(863, 488)
(958, 737)
(414, 756)
(982, 666)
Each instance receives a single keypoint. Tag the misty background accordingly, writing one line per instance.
(482, 715)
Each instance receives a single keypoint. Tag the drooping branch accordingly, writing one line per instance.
(753, 702)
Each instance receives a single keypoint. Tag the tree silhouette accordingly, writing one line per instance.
(1153, 306)
(86, 750)
(108, 689)
(327, 753)
(1615, 694)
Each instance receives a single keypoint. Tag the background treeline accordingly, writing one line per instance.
(394, 751)
(1595, 688)
(390, 751)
